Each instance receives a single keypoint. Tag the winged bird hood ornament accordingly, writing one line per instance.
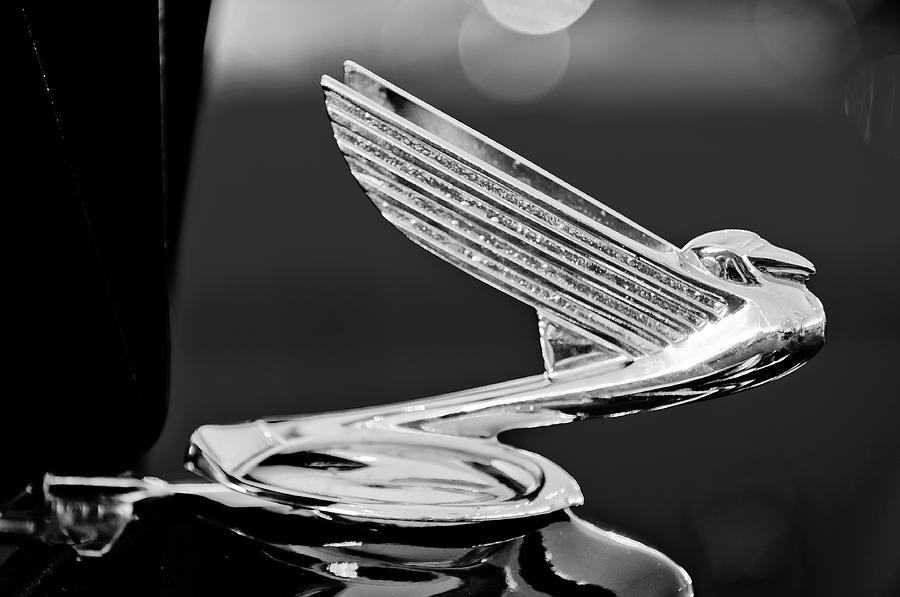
(628, 323)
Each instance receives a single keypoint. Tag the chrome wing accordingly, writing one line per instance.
(505, 221)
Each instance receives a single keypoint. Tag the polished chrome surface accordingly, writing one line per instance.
(627, 322)
(90, 514)
(556, 554)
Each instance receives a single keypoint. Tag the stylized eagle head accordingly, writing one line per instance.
(772, 277)
(736, 255)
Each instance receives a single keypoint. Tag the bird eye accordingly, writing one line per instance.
(725, 265)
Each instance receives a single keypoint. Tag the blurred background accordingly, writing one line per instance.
(779, 116)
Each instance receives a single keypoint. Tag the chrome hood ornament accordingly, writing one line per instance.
(627, 321)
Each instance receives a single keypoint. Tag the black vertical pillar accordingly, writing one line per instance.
(89, 220)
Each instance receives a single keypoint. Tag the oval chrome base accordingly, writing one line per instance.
(401, 477)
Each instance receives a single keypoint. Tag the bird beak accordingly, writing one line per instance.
(782, 263)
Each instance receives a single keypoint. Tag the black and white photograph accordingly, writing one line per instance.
(452, 298)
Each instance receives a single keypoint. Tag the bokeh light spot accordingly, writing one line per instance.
(807, 38)
(507, 65)
(537, 17)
